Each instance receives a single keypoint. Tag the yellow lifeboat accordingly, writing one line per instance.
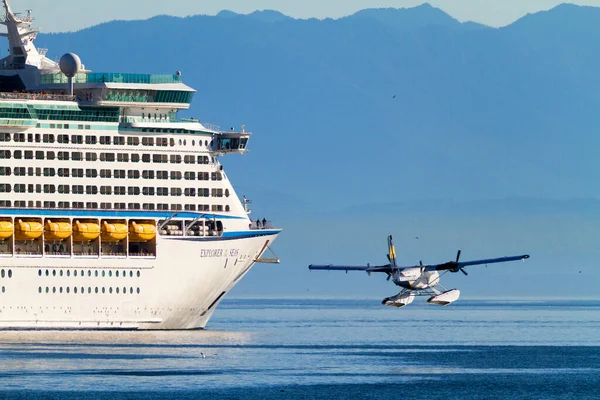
(6, 229)
(113, 231)
(141, 232)
(57, 230)
(85, 231)
(28, 230)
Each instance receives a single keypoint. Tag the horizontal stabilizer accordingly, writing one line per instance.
(367, 268)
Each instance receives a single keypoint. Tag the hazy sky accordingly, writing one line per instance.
(65, 15)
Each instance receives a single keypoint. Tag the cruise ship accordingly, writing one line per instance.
(114, 212)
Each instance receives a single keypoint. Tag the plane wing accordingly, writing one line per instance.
(456, 266)
(367, 268)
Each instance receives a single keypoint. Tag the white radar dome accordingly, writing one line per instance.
(70, 64)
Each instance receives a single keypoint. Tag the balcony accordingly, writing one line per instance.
(110, 77)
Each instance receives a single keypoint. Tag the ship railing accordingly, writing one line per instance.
(35, 96)
(142, 255)
(29, 254)
(85, 255)
(212, 127)
(132, 120)
(115, 255)
(58, 254)
(259, 225)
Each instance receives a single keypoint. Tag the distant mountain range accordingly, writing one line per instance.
(383, 104)
(391, 112)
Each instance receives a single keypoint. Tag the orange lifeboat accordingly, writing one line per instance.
(28, 230)
(141, 232)
(85, 231)
(57, 230)
(6, 229)
(113, 231)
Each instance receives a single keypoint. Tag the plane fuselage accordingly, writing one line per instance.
(416, 278)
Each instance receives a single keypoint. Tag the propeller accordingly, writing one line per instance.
(458, 268)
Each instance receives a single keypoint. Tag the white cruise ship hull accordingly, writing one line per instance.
(179, 289)
(114, 212)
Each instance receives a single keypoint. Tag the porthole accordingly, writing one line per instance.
(68, 273)
(138, 274)
(184, 142)
(40, 272)
(206, 143)
(54, 289)
(75, 273)
(96, 289)
(96, 273)
(82, 273)
(117, 290)
(60, 289)
(110, 290)
(89, 290)
(131, 274)
(180, 142)
(89, 273)
(47, 273)
(2, 273)
(117, 274)
(3, 289)
(47, 289)
(61, 272)
(75, 290)
(138, 290)
(124, 290)
(40, 289)
(82, 290)
(103, 273)
(103, 291)
(193, 142)
(110, 273)
(10, 273)
(68, 290)
(53, 272)
(131, 290)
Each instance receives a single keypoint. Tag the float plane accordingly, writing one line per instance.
(419, 280)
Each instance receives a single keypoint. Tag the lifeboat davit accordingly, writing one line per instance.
(113, 231)
(85, 231)
(6, 229)
(28, 230)
(57, 230)
(141, 232)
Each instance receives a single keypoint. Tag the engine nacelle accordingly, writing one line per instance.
(400, 300)
(443, 299)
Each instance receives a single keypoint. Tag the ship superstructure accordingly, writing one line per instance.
(114, 213)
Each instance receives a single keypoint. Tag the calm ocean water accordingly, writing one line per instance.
(330, 349)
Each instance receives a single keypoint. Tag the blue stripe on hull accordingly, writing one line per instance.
(226, 236)
(109, 214)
